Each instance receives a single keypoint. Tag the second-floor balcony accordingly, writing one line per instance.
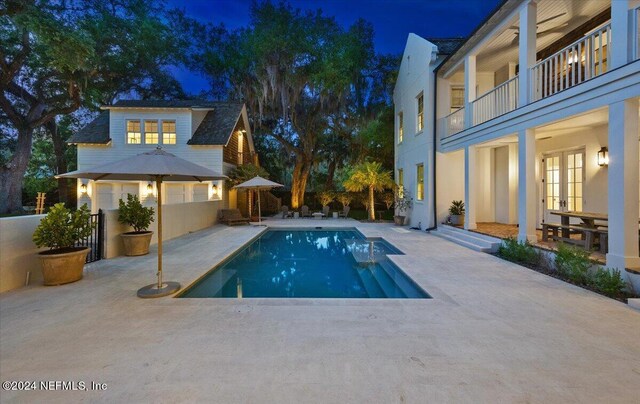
(579, 54)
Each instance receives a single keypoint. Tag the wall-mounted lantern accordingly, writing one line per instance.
(603, 157)
(83, 188)
(150, 189)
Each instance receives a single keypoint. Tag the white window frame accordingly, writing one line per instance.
(419, 184)
(419, 121)
(400, 127)
(157, 131)
(174, 133)
(138, 133)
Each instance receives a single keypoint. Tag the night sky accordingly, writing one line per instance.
(392, 20)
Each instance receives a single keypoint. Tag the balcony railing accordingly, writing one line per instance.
(453, 123)
(496, 102)
(578, 62)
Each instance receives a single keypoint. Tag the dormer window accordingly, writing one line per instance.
(151, 132)
(169, 132)
(133, 132)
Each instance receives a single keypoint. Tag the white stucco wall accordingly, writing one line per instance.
(416, 76)
(450, 181)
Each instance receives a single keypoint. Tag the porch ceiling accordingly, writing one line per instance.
(569, 14)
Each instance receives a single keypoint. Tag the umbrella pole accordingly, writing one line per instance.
(259, 211)
(161, 288)
(159, 185)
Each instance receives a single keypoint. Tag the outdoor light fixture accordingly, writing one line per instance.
(603, 157)
(149, 189)
(83, 189)
(215, 189)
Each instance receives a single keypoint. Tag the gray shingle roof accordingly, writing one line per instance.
(215, 128)
(446, 46)
(97, 131)
(217, 125)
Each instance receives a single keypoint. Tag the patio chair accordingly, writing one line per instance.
(285, 212)
(304, 211)
(345, 212)
(325, 211)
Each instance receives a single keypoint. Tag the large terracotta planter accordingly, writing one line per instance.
(63, 265)
(399, 220)
(136, 243)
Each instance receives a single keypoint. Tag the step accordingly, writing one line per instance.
(213, 284)
(390, 288)
(370, 284)
(408, 288)
(473, 246)
(489, 243)
(475, 235)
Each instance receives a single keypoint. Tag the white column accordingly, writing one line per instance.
(527, 185)
(527, 49)
(623, 185)
(513, 183)
(621, 35)
(469, 89)
(470, 184)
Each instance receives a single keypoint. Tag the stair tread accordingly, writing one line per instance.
(465, 243)
(371, 285)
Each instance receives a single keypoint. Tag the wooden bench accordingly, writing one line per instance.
(231, 217)
(589, 234)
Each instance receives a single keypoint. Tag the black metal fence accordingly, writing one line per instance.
(96, 240)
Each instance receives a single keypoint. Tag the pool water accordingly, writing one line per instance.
(316, 263)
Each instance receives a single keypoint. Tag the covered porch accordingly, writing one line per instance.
(518, 184)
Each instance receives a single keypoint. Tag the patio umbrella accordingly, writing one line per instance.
(258, 183)
(156, 165)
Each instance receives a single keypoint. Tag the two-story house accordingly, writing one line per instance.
(536, 115)
(215, 135)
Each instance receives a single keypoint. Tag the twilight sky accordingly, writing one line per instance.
(392, 20)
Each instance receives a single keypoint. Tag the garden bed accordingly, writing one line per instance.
(569, 264)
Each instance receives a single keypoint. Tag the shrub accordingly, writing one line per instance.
(62, 228)
(573, 263)
(513, 250)
(325, 197)
(344, 198)
(132, 213)
(609, 282)
(388, 198)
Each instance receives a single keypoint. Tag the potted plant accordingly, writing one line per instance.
(133, 214)
(60, 230)
(403, 203)
(456, 210)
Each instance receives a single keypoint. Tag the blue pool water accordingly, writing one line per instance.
(317, 263)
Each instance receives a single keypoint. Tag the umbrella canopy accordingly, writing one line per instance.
(156, 165)
(148, 166)
(258, 183)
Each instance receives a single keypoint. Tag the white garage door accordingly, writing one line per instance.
(200, 192)
(175, 193)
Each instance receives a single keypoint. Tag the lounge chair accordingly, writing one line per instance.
(231, 217)
(304, 211)
(325, 211)
(285, 212)
(345, 212)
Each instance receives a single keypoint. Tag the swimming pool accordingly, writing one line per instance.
(318, 263)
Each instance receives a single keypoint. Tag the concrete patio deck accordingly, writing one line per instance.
(494, 332)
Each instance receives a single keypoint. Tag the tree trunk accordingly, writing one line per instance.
(299, 181)
(12, 174)
(331, 171)
(59, 148)
(372, 213)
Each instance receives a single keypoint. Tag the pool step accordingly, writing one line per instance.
(405, 285)
(386, 282)
(371, 285)
(472, 240)
(214, 284)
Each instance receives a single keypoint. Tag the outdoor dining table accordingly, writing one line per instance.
(588, 219)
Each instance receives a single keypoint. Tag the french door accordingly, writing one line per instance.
(563, 174)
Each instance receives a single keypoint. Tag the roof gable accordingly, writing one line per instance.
(217, 125)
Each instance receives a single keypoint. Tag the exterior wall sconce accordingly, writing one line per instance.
(150, 190)
(603, 157)
(215, 189)
(83, 189)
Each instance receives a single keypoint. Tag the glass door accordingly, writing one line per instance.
(563, 183)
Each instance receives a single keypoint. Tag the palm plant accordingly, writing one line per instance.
(369, 176)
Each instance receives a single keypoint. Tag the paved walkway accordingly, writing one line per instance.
(494, 332)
